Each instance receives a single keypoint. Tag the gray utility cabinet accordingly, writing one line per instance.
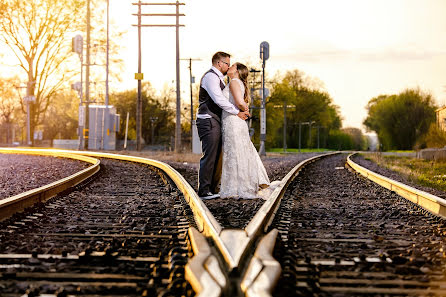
(103, 124)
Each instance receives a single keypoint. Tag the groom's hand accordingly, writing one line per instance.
(243, 115)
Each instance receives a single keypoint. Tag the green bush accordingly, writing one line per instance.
(339, 140)
(435, 137)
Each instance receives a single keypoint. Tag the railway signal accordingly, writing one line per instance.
(264, 55)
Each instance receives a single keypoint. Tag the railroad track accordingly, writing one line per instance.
(120, 233)
(312, 260)
(343, 235)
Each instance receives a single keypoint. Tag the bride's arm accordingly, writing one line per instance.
(237, 94)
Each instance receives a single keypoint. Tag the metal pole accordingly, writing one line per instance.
(191, 103)
(318, 137)
(263, 115)
(309, 125)
(139, 102)
(82, 125)
(87, 80)
(126, 130)
(300, 129)
(107, 63)
(28, 126)
(153, 131)
(139, 99)
(101, 146)
(178, 111)
(106, 113)
(284, 126)
(191, 78)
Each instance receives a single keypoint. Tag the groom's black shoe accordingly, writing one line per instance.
(209, 196)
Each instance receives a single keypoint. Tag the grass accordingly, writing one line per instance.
(400, 151)
(294, 150)
(423, 172)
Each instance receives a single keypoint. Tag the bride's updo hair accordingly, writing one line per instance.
(243, 72)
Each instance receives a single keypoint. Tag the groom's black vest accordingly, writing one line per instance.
(207, 105)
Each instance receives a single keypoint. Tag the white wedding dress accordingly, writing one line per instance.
(243, 173)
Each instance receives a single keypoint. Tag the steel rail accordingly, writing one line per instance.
(263, 270)
(234, 245)
(206, 223)
(17, 203)
(204, 219)
(431, 203)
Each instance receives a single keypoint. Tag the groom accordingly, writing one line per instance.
(211, 104)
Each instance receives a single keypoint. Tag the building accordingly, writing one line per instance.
(441, 118)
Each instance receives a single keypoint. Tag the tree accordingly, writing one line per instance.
(308, 102)
(400, 120)
(37, 33)
(359, 141)
(340, 140)
(63, 110)
(9, 103)
(158, 107)
(435, 137)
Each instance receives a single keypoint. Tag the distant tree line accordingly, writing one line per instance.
(403, 121)
(310, 110)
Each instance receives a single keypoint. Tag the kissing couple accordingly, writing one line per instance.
(228, 153)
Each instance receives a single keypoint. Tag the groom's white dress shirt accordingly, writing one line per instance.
(211, 83)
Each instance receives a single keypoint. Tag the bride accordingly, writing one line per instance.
(243, 173)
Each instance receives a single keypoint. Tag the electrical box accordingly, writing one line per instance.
(77, 44)
(103, 124)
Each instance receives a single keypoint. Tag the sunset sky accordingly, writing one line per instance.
(359, 49)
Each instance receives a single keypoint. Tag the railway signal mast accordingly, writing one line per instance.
(264, 55)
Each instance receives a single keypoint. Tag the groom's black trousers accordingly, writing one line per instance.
(209, 175)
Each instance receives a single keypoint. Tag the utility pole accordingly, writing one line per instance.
(87, 80)
(139, 75)
(284, 125)
(107, 59)
(178, 113)
(192, 80)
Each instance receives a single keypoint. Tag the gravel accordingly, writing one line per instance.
(21, 173)
(126, 210)
(233, 213)
(343, 235)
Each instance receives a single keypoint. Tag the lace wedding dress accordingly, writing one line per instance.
(243, 173)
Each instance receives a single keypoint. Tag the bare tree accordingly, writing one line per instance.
(9, 103)
(38, 33)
